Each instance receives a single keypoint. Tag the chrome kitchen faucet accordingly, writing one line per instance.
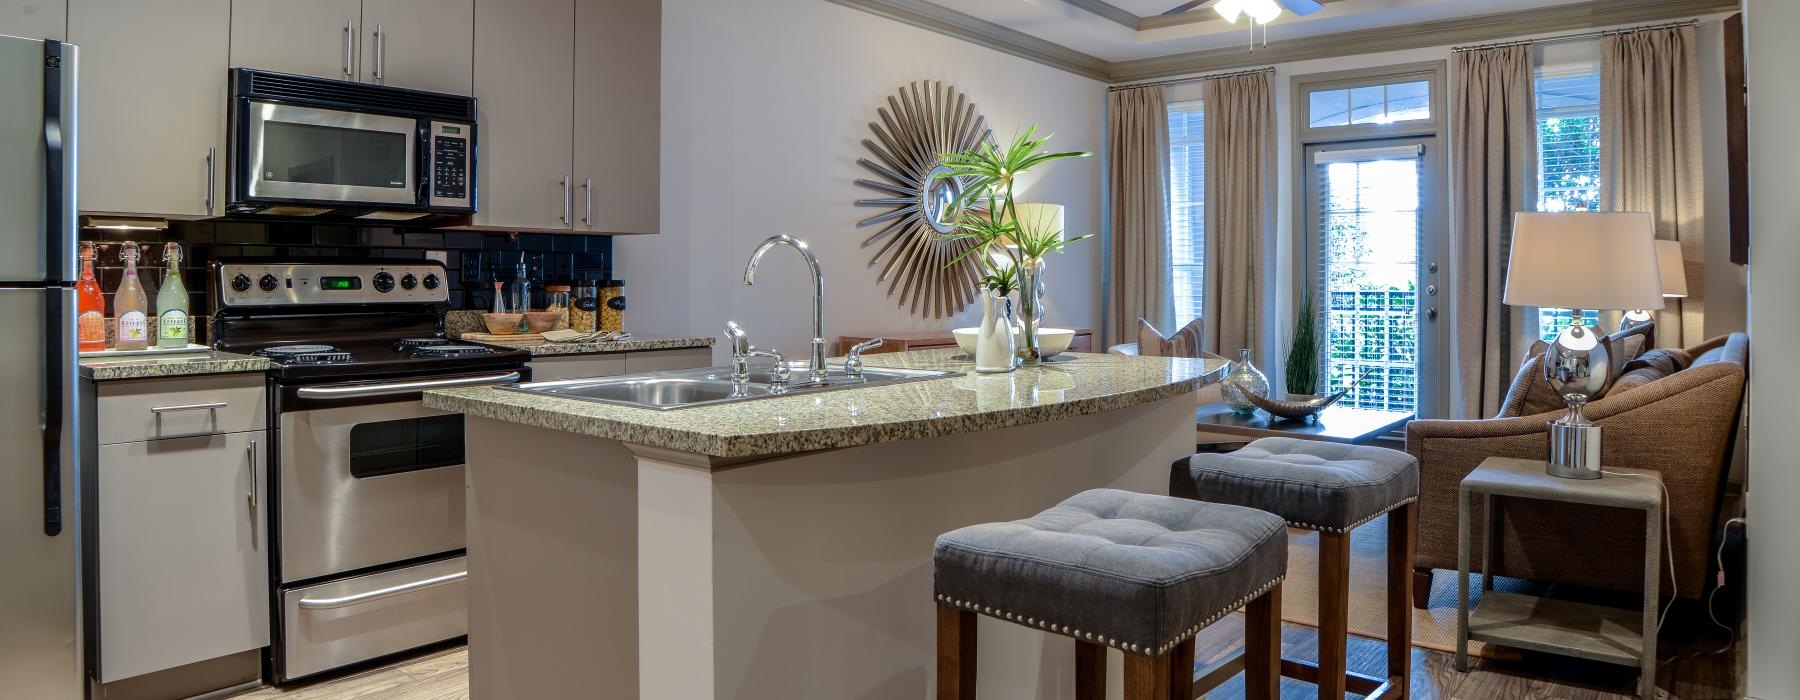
(816, 365)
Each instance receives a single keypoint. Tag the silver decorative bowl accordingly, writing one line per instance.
(1295, 406)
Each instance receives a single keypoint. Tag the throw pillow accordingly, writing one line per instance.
(1530, 393)
(1665, 361)
(1182, 343)
(1633, 379)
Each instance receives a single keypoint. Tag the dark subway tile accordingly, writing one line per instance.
(498, 241)
(190, 231)
(259, 251)
(382, 238)
(426, 239)
(291, 234)
(462, 240)
(337, 236)
(535, 241)
(569, 243)
(240, 232)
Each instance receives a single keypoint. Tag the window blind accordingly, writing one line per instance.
(1187, 209)
(1568, 131)
(1366, 295)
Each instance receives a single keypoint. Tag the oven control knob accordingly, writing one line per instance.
(240, 283)
(408, 282)
(384, 282)
(268, 283)
(431, 281)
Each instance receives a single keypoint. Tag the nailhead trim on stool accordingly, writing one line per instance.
(1146, 649)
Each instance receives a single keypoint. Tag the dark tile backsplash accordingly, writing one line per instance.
(473, 259)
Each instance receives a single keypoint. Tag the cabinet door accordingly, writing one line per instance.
(524, 77)
(419, 44)
(618, 88)
(317, 38)
(34, 19)
(183, 565)
(152, 116)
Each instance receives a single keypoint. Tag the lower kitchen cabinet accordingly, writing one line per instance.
(182, 551)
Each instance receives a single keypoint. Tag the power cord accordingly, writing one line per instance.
(1718, 561)
(1668, 548)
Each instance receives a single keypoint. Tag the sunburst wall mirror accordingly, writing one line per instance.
(920, 123)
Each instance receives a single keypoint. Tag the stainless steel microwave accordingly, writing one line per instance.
(305, 147)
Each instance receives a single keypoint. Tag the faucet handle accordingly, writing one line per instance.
(780, 371)
(853, 362)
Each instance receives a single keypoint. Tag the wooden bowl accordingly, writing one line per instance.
(501, 324)
(540, 321)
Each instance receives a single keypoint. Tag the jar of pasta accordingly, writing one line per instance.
(585, 307)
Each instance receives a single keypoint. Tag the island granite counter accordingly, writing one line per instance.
(781, 547)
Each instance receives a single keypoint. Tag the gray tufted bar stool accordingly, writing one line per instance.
(1115, 569)
(1331, 488)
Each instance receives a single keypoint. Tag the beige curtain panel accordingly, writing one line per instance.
(1650, 155)
(1240, 218)
(1137, 166)
(1493, 170)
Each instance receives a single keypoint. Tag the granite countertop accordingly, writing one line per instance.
(627, 345)
(173, 365)
(1081, 385)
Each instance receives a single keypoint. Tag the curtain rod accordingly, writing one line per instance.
(1577, 37)
(1193, 78)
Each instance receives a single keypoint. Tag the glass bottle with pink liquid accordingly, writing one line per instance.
(131, 307)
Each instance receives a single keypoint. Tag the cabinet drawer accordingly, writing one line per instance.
(348, 620)
(183, 551)
(152, 409)
(554, 367)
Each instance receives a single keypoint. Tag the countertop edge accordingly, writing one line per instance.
(164, 368)
(608, 348)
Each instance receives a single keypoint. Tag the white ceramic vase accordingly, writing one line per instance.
(994, 348)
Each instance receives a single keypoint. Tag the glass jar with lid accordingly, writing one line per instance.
(558, 301)
(585, 307)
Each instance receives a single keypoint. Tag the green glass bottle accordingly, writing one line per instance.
(172, 327)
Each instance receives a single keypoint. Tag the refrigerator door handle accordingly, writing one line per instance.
(56, 131)
(54, 368)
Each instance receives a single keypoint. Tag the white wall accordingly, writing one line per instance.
(1725, 282)
(764, 108)
(1774, 618)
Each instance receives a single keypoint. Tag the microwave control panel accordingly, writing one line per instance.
(452, 173)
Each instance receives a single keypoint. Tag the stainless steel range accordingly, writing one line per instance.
(368, 482)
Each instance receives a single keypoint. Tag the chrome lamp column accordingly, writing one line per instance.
(1577, 261)
(1670, 267)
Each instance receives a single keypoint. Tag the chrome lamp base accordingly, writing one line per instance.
(1577, 368)
(1574, 450)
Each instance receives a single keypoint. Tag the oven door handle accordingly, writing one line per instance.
(379, 593)
(357, 391)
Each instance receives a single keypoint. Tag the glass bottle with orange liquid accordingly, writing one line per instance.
(90, 319)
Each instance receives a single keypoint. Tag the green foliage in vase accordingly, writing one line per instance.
(1303, 358)
(1000, 279)
(989, 172)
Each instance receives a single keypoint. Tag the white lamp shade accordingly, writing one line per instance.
(1037, 220)
(1229, 9)
(1669, 267)
(1583, 260)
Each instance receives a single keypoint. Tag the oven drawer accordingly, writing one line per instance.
(137, 410)
(349, 620)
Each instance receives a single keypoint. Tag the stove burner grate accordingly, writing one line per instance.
(305, 354)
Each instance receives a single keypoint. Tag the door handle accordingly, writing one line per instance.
(212, 167)
(378, 594)
(352, 391)
(349, 48)
(251, 496)
(587, 191)
(380, 53)
(53, 410)
(1431, 313)
(568, 202)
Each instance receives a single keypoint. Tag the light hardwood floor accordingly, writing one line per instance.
(445, 675)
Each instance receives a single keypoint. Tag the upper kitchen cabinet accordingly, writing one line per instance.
(524, 80)
(316, 38)
(420, 44)
(570, 96)
(618, 100)
(152, 116)
(34, 19)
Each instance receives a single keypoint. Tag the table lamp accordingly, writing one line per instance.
(1669, 267)
(1581, 260)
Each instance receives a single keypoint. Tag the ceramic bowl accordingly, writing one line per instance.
(540, 321)
(501, 324)
(1051, 341)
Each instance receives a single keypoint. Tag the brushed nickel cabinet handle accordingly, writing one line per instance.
(349, 48)
(188, 407)
(212, 167)
(587, 191)
(251, 450)
(568, 202)
(380, 53)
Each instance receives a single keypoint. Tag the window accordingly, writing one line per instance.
(1187, 208)
(1568, 129)
(1381, 103)
(1371, 225)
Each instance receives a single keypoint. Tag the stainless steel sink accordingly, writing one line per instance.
(700, 387)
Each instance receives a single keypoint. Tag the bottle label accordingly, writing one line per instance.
(90, 327)
(172, 325)
(133, 327)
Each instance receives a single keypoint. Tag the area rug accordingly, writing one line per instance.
(1433, 628)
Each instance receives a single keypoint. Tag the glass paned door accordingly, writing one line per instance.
(1375, 239)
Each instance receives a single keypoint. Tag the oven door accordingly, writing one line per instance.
(367, 484)
(328, 155)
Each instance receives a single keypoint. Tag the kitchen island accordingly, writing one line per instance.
(781, 547)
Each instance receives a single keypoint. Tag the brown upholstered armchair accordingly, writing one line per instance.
(1679, 418)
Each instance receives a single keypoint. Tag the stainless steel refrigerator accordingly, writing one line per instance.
(41, 641)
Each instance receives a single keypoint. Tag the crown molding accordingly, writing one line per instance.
(975, 30)
(1462, 30)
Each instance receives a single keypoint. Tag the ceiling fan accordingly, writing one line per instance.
(1261, 11)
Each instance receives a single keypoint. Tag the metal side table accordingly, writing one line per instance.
(1581, 630)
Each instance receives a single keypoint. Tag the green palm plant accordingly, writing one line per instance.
(990, 172)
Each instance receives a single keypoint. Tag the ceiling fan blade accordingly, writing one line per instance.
(1301, 7)
(1191, 4)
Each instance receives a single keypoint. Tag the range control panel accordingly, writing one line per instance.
(281, 284)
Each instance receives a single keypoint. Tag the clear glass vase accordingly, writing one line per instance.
(1243, 376)
(1031, 311)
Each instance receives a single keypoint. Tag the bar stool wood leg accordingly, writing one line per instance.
(1262, 646)
(1401, 539)
(1334, 612)
(1146, 677)
(955, 654)
(1181, 671)
(1090, 671)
